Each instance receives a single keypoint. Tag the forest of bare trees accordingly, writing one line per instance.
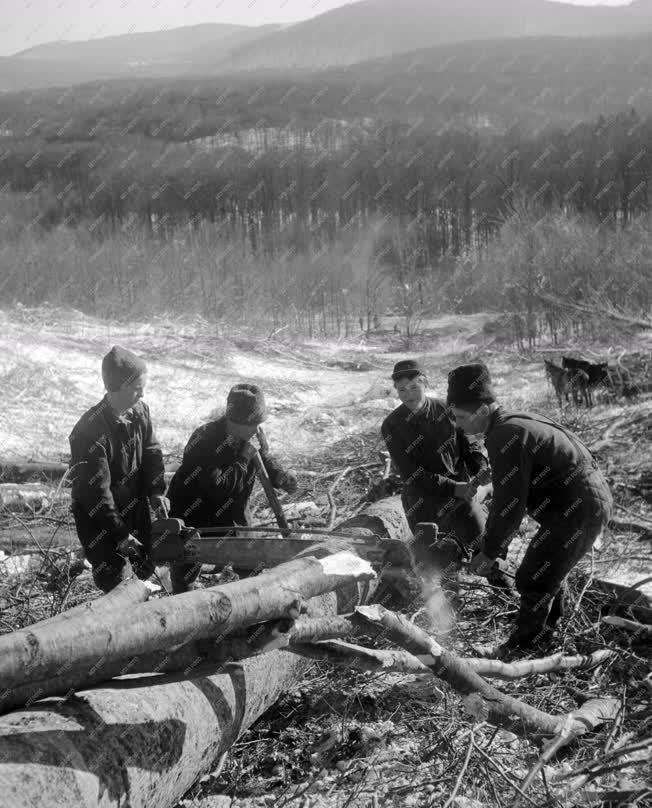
(326, 232)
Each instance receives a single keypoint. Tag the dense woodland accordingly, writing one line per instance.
(323, 204)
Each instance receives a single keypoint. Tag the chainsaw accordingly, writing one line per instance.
(172, 541)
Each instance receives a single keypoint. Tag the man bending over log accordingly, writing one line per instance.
(436, 462)
(117, 473)
(214, 482)
(540, 468)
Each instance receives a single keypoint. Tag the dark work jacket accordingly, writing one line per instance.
(116, 465)
(212, 486)
(430, 453)
(537, 467)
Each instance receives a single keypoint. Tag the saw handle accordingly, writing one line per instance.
(273, 500)
(262, 439)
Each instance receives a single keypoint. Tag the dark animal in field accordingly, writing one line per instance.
(571, 385)
(597, 372)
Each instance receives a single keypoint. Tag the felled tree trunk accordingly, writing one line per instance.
(76, 650)
(137, 743)
(17, 471)
(143, 742)
(133, 745)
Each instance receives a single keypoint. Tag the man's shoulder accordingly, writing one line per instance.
(207, 434)
(438, 407)
(92, 424)
(510, 429)
(397, 416)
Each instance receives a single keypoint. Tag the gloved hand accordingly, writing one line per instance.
(131, 548)
(159, 502)
(483, 477)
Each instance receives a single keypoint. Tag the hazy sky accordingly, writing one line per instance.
(24, 23)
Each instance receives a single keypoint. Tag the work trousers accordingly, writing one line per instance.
(563, 538)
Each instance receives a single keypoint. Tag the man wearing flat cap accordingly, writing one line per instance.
(438, 465)
(117, 473)
(540, 468)
(213, 485)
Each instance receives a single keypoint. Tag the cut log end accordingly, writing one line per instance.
(347, 564)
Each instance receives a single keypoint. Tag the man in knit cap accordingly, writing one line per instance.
(540, 468)
(440, 467)
(212, 486)
(117, 473)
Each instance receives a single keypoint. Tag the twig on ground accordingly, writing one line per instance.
(628, 625)
(633, 513)
(504, 774)
(331, 500)
(460, 776)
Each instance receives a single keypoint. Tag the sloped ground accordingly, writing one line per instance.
(349, 739)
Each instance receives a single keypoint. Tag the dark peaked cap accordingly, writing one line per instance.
(470, 384)
(121, 367)
(245, 405)
(407, 368)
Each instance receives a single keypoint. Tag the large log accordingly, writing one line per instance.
(140, 743)
(77, 648)
(132, 745)
(22, 471)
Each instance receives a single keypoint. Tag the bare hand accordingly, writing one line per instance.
(290, 484)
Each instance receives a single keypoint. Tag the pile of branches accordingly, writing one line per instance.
(388, 729)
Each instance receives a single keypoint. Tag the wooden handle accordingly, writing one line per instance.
(275, 505)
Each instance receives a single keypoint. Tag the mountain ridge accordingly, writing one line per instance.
(360, 32)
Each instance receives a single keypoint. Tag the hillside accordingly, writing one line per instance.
(490, 86)
(355, 33)
(176, 52)
(134, 47)
(376, 28)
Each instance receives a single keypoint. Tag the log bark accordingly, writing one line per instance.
(127, 594)
(132, 745)
(345, 653)
(18, 471)
(140, 742)
(481, 698)
(123, 598)
(79, 646)
(30, 497)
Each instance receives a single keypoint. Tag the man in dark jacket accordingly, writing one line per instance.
(436, 462)
(117, 473)
(217, 474)
(540, 468)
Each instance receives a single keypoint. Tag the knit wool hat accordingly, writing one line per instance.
(407, 369)
(470, 384)
(245, 405)
(121, 367)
